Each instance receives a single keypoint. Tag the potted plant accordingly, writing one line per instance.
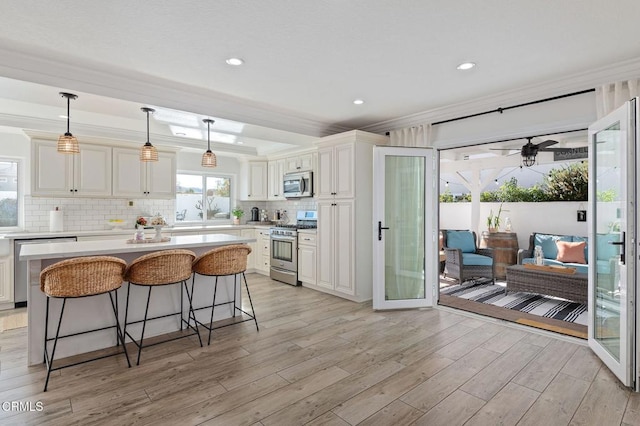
(493, 222)
(237, 214)
(490, 226)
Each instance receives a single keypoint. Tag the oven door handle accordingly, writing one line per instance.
(283, 238)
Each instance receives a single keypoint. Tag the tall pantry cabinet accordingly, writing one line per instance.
(345, 199)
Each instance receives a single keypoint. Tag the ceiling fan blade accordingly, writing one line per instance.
(555, 149)
(546, 143)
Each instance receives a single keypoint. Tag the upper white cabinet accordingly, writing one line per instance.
(257, 181)
(299, 163)
(87, 173)
(336, 170)
(133, 178)
(275, 174)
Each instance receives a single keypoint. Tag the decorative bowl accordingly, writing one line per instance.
(116, 224)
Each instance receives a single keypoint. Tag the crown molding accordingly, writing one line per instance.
(28, 64)
(568, 84)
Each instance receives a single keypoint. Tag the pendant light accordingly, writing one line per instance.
(209, 158)
(148, 152)
(67, 143)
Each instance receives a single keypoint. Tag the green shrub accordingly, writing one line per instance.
(570, 183)
(608, 195)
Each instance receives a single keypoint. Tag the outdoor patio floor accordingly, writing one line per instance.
(550, 324)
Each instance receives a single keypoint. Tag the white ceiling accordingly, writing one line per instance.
(305, 61)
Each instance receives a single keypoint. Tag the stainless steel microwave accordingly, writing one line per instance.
(298, 184)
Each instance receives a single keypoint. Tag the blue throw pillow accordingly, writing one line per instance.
(462, 240)
(604, 250)
(548, 244)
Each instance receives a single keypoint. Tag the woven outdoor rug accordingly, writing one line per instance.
(535, 304)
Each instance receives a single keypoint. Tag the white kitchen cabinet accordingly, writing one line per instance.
(263, 251)
(85, 174)
(134, 178)
(250, 233)
(299, 163)
(336, 246)
(257, 181)
(336, 170)
(6, 283)
(307, 257)
(274, 178)
(345, 197)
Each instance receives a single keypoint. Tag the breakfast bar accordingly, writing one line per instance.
(95, 313)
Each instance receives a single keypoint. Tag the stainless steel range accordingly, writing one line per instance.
(284, 247)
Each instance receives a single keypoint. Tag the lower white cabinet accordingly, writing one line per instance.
(336, 246)
(6, 283)
(307, 257)
(263, 251)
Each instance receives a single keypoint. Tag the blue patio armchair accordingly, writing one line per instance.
(463, 259)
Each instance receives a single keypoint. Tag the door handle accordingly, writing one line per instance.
(622, 245)
(380, 228)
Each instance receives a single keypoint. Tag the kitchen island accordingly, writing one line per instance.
(95, 312)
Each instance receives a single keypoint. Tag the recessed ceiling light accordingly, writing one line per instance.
(466, 66)
(235, 61)
(63, 116)
(358, 101)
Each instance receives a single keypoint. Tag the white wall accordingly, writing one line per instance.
(526, 218)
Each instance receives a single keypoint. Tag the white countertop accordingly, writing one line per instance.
(110, 247)
(127, 232)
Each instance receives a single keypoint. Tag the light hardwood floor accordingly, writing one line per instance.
(322, 360)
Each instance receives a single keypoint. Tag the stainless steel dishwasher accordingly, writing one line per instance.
(20, 271)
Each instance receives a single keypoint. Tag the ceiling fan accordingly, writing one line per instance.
(530, 150)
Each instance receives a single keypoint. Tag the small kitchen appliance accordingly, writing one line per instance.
(298, 184)
(255, 214)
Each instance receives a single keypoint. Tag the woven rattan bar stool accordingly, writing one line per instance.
(224, 261)
(161, 268)
(78, 278)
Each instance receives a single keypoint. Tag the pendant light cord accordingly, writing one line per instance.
(208, 136)
(148, 126)
(68, 112)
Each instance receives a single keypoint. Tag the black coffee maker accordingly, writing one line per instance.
(255, 214)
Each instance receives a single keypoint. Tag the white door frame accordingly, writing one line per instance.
(624, 368)
(431, 221)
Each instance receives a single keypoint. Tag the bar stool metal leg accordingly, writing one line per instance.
(55, 343)
(213, 307)
(250, 302)
(235, 291)
(191, 311)
(144, 324)
(119, 333)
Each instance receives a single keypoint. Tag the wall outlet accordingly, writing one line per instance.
(130, 203)
(582, 215)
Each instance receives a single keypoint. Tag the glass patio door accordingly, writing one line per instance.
(404, 219)
(612, 237)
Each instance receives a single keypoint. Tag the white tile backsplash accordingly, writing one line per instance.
(90, 214)
(291, 206)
